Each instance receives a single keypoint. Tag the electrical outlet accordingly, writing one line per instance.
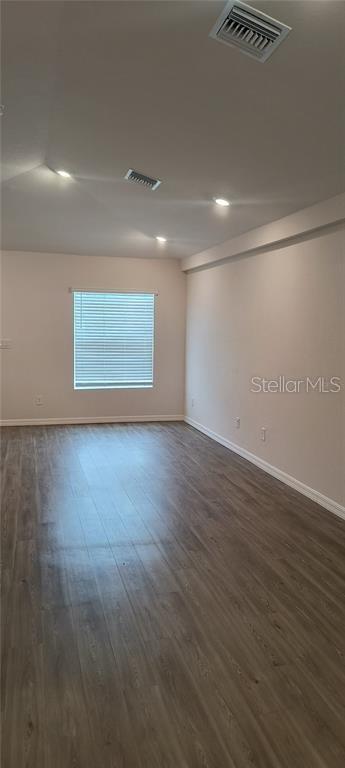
(238, 422)
(263, 434)
(39, 400)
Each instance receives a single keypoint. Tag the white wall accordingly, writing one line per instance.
(37, 317)
(265, 314)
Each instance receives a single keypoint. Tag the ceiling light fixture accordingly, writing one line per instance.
(221, 201)
(64, 174)
(161, 239)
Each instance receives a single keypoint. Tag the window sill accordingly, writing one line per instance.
(112, 386)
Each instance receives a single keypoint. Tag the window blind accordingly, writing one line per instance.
(113, 340)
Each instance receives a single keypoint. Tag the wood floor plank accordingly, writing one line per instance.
(165, 604)
(67, 715)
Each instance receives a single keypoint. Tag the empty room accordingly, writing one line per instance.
(172, 352)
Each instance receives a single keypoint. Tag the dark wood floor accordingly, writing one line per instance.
(166, 605)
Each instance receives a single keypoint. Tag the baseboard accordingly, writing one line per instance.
(88, 420)
(279, 474)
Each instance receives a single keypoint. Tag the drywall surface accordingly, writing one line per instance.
(268, 315)
(37, 317)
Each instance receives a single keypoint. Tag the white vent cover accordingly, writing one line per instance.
(255, 33)
(141, 178)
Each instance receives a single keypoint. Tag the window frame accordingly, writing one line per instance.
(102, 388)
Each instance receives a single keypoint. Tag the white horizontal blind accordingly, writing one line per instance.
(113, 340)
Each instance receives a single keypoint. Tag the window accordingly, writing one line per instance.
(113, 340)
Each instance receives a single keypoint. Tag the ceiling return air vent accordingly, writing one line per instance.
(250, 30)
(140, 178)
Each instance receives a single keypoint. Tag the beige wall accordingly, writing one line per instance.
(270, 312)
(265, 314)
(37, 317)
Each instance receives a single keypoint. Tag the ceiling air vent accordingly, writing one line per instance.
(255, 33)
(140, 178)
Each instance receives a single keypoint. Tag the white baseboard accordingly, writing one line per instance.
(324, 501)
(87, 420)
(319, 498)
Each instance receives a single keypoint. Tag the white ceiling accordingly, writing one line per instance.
(96, 88)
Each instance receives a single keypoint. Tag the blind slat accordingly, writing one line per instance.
(113, 340)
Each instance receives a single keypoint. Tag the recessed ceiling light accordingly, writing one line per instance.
(64, 174)
(161, 239)
(221, 201)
